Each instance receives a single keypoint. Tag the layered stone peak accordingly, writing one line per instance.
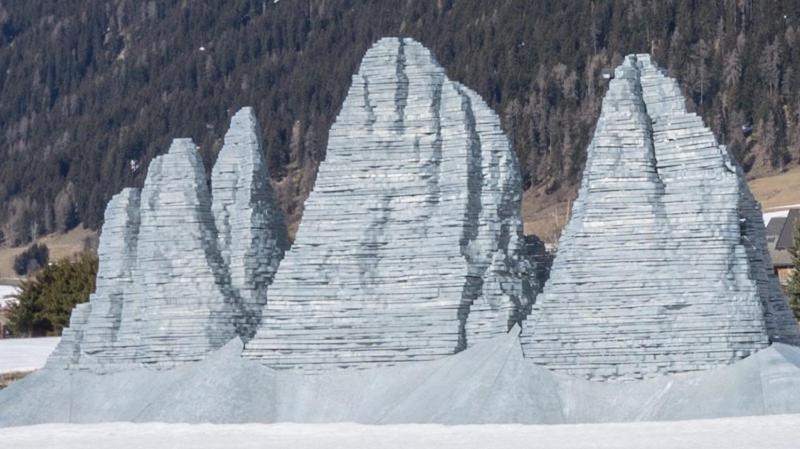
(663, 266)
(252, 234)
(187, 306)
(410, 246)
(171, 287)
(94, 326)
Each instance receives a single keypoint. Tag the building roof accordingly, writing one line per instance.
(7, 293)
(780, 238)
(775, 226)
(786, 239)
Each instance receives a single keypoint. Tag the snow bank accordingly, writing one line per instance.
(25, 354)
(774, 432)
(487, 384)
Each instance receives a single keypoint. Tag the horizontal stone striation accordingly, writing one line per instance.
(662, 267)
(170, 287)
(410, 246)
(252, 234)
(186, 304)
(666, 107)
(94, 325)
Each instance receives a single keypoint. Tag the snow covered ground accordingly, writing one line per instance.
(6, 294)
(25, 354)
(767, 432)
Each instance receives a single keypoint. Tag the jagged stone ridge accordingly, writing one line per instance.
(410, 246)
(171, 287)
(663, 266)
(252, 233)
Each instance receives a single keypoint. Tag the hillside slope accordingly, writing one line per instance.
(91, 90)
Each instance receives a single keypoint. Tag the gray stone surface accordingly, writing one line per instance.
(94, 326)
(252, 233)
(410, 247)
(184, 305)
(490, 382)
(663, 266)
(170, 286)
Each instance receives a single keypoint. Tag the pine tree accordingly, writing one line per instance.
(46, 300)
(793, 289)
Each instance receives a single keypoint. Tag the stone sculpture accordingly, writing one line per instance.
(171, 287)
(410, 246)
(663, 267)
(411, 250)
(252, 233)
(186, 305)
(94, 326)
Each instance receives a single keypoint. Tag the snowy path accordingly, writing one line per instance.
(767, 432)
(25, 354)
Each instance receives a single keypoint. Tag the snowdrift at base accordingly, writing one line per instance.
(774, 432)
(489, 383)
(25, 354)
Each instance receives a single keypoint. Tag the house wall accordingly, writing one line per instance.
(784, 274)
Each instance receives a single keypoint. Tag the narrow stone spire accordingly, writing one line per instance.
(94, 326)
(117, 250)
(183, 305)
(252, 233)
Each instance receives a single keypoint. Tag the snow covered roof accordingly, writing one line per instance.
(7, 293)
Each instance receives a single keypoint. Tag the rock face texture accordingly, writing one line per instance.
(171, 287)
(186, 305)
(663, 267)
(94, 326)
(252, 234)
(410, 246)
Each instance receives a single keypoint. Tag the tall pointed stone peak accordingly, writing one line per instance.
(663, 265)
(94, 326)
(187, 307)
(410, 246)
(252, 234)
(171, 288)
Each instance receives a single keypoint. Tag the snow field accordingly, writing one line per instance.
(25, 354)
(767, 432)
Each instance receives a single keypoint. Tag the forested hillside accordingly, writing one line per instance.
(91, 90)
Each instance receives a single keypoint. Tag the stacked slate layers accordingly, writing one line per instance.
(410, 246)
(663, 266)
(671, 122)
(166, 293)
(252, 233)
(186, 306)
(94, 325)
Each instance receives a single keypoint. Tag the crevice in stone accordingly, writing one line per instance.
(473, 284)
(658, 205)
(371, 117)
(432, 168)
(371, 242)
(401, 94)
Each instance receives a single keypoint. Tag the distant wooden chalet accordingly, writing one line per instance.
(780, 240)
